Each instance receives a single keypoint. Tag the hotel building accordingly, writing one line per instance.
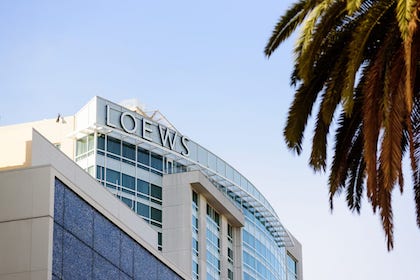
(183, 209)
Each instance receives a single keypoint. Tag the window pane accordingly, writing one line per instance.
(113, 176)
(114, 146)
(128, 202)
(81, 146)
(156, 191)
(291, 264)
(157, 162)
(90, 142)
(100, 173)
(143, 186)
(195, 197)
(143, 210)
(129, 151)
(143, 156)
(156, 214)
(128, 181)
(101, 142)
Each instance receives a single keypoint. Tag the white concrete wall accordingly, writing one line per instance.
(26, 211)
(26, 223)
(176, 217)
(177, 221)
(15, 143)
(296, 252)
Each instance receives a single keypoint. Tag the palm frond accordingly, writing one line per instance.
(394, 114)
(408, 41)
(298, 115)
(387, 217)
(356, 175)
(309, 26)
(352, 6)
(364, 55)
(365, 24)
(329, 102)
(287, 24)
(406, 12)
(327, 32)
(415, 146)
(371, 127)
(347, 133)
(319, 144)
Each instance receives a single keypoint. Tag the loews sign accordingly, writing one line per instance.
(148, 130)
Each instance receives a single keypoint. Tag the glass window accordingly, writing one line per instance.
(101, 142)
(128, 202)
(221, 167)
(159, 238)
(202, 156)
(195, 269)
(143, 186)
(90, 142)
(229, 172)
(194, 222)
(156, 214)
(291, 268)
(143, 156)
(128, 181)
(195, 197)
(156, 192)
(157, 162)
(143, 210)
(169, 167)
(114, 145)
(90, 171)
(230, 253)
(213, 214)
(195, 244)
(100, 173)
(81, 146)
(129, 151)
(178, 168)
(212, 161)
(230, 274)
(113, 176)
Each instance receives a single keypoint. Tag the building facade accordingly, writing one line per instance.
(209, 220)
(57, 222)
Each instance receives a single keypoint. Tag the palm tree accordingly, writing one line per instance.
(359, 61)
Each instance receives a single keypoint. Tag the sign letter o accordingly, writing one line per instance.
(123, 120)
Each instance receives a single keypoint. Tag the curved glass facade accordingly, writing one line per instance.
(262, 258)
(131, 165)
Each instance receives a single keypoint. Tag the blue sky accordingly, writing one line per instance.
(201, 64)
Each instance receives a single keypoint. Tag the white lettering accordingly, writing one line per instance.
(108, 117)
(133, 120)
(146, 129)
(165, 135)
(184, 141)
(130, 122)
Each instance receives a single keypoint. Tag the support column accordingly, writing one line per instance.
(237, 253)
(202, 223)
(223, 248)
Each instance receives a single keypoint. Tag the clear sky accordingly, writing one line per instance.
(201, 64)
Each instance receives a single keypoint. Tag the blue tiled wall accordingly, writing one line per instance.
(89, 246)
